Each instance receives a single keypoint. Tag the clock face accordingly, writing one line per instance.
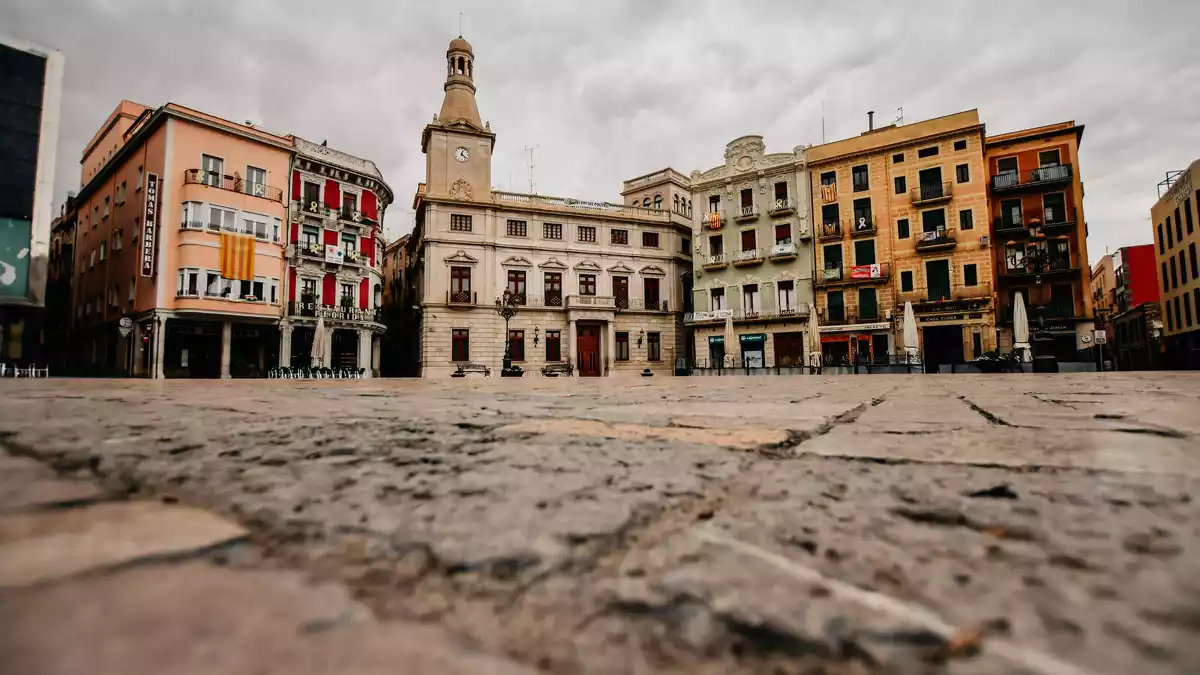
(461, 154)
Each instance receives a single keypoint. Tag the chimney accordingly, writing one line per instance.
(870, 120)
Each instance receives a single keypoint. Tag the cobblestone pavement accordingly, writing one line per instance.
(859, 524)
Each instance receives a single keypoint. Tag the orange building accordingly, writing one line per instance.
(160, 188)
(1036, 202)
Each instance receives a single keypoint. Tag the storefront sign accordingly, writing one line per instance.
(941, 317)
(856, 328)
(334, 254)
(716, 339)
(865, 271)
(316, 310)
(150, 224)
(753, 338)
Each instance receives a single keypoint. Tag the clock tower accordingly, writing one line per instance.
(457, 146)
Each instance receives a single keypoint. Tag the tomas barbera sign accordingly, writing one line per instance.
(150, 224)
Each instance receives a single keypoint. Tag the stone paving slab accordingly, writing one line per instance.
(858, 524)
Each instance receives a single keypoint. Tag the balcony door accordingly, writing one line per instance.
(553, 289)
(312, 194)
(587, 344)
(1010, 213)
(931, 182)
(621, 291)
(937, 279)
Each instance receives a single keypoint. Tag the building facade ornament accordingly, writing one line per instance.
(461, 189)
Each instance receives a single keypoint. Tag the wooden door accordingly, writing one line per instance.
(587, 347)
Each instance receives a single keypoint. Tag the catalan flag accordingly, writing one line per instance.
(237, 256)
(714, 220)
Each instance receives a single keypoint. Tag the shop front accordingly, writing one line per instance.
(754, 349)
(855, 343)
(949, 340)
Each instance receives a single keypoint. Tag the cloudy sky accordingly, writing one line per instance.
(614, 89)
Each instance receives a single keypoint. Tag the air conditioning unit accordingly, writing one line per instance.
(802, 231)
(983, 241)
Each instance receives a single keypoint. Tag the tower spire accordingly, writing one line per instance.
(459, 102)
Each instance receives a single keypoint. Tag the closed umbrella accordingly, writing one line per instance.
(814, 337)
(317, 354)
(1020, 326)
(911, 341)
(730, 339)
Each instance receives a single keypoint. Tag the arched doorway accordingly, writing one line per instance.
(344, 349)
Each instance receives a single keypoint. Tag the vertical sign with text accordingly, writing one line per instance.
(150, 224)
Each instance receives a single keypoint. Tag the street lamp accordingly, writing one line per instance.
(506, 307)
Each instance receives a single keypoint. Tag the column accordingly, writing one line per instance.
(226, 339)
(364, 352)
(571, 334)
(285, 345)
(327, 356)
(160, 343)
(376, 348)
(611, 357)
(135, 351)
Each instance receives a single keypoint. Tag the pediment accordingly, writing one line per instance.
(516, 261)
(652, 271)
(586, 266)
(552, 264)
(620, 268)
(460, 258)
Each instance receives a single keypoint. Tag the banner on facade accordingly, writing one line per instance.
(865, 271)
(237, 256)
(150, 224)
(334, 254)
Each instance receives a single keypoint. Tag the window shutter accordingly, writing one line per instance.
(333, 195)
(331, 237)
(329, 291)
(296, 196)
(364, 290)
(295, 232)
(368, 205)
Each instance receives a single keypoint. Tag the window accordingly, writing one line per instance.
(833, 256)
(256, 181)
(140, 180)
(650, 240)
(516, 285)
(1170, 239)
(553, 346)
(787, 295)
(927, 152)
(1174, 273)
(189, 282)
(587, 233)
(460, 344)
(276, 226)
(650, 293)
(1048, 158)
(460, 284)
(654, 346)
(221, 219)
(349, 203)
(970, 275)
(863, 222)
(864, 252)
(212, 169)
(1192, 258)
(516, 228)
(587, 284)
(749, 240)
(901, 185)
(107, 208)
(103, 248)
(933, 221)
(962, 173)
(747, 202)
(868, 308)
(92, 259)
(1187, 211)
(516, 345)
(718, 299)
(859, 178)
(312, 196)
(1187, 309)
(716, 245)
(1054, 208)
(347, 294)
(829, 178)
(960, 145)
(966, 219)
(552, 287)
(906, 281)
(781, 194)
(837, 306)
(1178, 226)
(750, 302)
(783, 233)
(685, 245)
(349, 243)
(308, 288)
(830, 215)
(1182, 269)
(714, 203)
(1007, 165)
(460, 223)
(1178, 316)
(898, 158)
(616, 236)
(1166, 283)
(552, 230)
(257, 225)
(622, 346)
(310, 235)
(121, 193)
(902, 228)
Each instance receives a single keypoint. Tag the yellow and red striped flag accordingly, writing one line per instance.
(237, 256)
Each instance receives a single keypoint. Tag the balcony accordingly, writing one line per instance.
(591, 302)
(941, 239)
(232, 184)
(714, 261)
(944, 298)
(746, 213)
(641, 305)
(853, 275)
(1045, 176)
(787, 251)
(863, 226)
(741, 315)
(354, 217)
(712, 220)
(307, 249)
(931, 193)
(1010, 225)
(829, 231)
(753, 256)
(313, 208)
(462, 298)
(1032, 265)
(783, 206)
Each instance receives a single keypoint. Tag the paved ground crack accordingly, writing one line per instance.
(992, 419)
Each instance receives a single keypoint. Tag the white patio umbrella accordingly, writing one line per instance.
(911, 340)
(814, 337)
(730, 339)
(1020, 326)
(317, 354)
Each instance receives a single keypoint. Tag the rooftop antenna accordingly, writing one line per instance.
(899, 116)
(530, 150)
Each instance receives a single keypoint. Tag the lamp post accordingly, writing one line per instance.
(506, 307)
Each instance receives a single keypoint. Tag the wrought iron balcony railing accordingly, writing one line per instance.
(928, 193)
(746, 213)
(1041, 176)
(232, 184)
(938, 240)
(783, 206)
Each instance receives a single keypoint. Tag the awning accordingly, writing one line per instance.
(857, 328)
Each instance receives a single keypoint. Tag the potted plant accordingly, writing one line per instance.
(995, 362)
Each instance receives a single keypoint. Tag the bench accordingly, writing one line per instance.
(554, 369)
(464, 368)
